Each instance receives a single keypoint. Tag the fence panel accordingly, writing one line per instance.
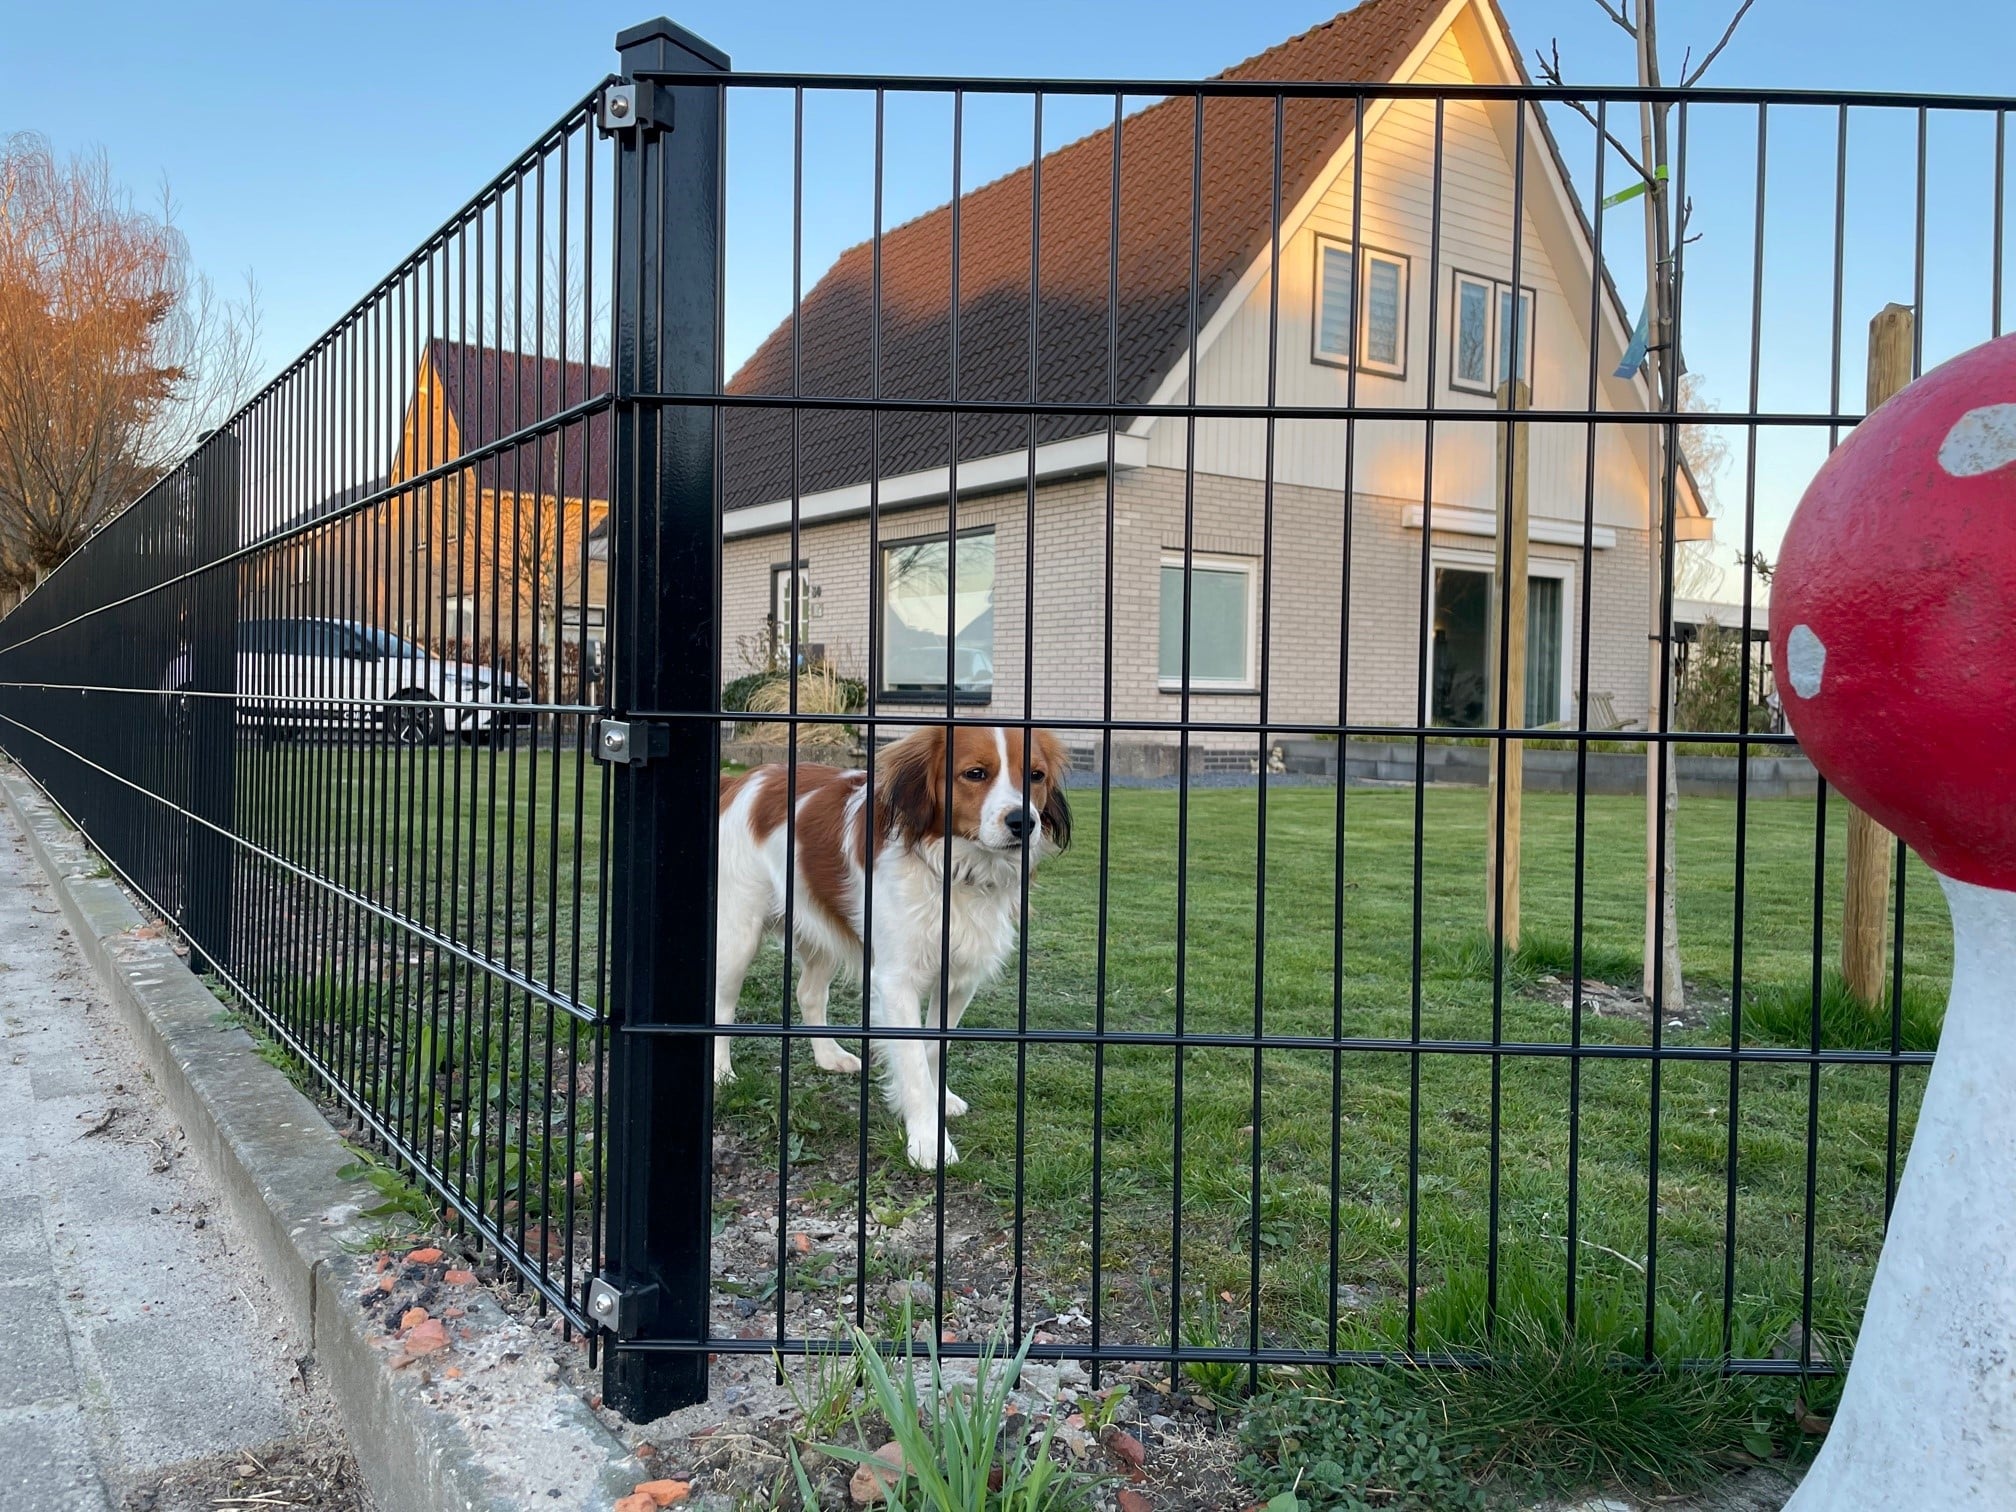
(325, 695)
(1275, 455)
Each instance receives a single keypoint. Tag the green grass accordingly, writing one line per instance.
(1445, 1136)
(1414, 1136)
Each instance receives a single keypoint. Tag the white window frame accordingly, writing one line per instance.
(780, 629)
(1250, 568)
(1495, 291)
(1457, 279)
(879, 607)
(1363, 256)
(1536, 566)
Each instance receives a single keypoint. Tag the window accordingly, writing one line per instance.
(1378, 336)
(1515, 348)
(1483, 344)
(1464, 659)
(938, 609)
(1470, 363)
(1223, 624)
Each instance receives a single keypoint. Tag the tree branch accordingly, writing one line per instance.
(1687, 80)
(1620, 15)
(1550, 71)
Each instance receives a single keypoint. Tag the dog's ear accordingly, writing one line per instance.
(1056, 767)
(910, 785)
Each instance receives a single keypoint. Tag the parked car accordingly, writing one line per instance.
(331, 673)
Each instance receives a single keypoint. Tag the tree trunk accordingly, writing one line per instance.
(1872, 850)
(1662, 789)
(1503, 845)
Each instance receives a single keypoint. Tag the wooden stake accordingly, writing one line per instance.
(1503, 894)
(1872, 850)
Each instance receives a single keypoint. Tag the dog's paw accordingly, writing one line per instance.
(830, 1057)
(955, 1105)
(924, 1146)
(724, 1069)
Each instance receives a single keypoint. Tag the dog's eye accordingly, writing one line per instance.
(975, 774)
(1035, 776)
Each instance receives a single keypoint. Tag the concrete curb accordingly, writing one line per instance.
(505, 1436)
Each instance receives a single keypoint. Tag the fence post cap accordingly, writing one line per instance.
(665, 45)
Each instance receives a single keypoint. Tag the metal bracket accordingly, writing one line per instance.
(632, 744)
(635, 104)
(616, 1309)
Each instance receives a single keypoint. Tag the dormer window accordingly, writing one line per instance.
(1361, 308)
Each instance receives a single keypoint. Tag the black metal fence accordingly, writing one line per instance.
(1179, 438)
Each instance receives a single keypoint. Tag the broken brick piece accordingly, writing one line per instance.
(664, 1492)
(424, 1256)
(428, 1338)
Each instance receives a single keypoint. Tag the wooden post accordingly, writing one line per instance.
(1502, 894)
(1872, 850)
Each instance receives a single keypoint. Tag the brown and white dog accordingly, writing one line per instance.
(1003, 814)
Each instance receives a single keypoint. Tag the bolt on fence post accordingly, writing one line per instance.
(663, 592)
(213, 720)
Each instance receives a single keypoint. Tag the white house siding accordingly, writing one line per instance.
(1397, 214)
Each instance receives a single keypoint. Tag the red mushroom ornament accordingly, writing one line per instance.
(1893, 630)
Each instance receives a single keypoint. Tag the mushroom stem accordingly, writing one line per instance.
(1928, 1416)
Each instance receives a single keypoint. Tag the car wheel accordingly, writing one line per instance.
(413, 719)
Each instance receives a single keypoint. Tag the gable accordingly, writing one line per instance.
(1091, 342)
(1389, 204)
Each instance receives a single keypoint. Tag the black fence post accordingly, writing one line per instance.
(663, 592)
(213, 719)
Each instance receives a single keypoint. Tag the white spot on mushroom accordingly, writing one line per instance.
(1981, 441)
(1805, 660)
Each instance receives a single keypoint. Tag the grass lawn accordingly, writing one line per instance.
(1445, 1136)
(1400, 1160)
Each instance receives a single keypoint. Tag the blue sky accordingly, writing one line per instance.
(315, 143)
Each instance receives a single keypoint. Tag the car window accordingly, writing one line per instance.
(317, 638)
(385, 643)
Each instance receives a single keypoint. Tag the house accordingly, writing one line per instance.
(507, 546)
(992, 532)
(504, 559)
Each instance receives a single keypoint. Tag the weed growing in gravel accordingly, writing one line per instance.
(955, 1456)
(825, 1389)
(399, 1199)
(1362, 1446)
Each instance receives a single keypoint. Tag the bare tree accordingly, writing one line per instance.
(1665, 372)
(115, 353)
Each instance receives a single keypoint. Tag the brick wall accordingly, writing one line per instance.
(1228, 518)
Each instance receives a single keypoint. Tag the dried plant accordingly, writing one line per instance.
(822, 689)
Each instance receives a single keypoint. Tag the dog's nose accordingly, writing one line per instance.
(1021, 824)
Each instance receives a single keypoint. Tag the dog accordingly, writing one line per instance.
(1003, 815)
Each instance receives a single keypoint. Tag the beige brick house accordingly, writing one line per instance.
(1303, 541)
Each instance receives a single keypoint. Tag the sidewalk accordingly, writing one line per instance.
(143, 1363)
